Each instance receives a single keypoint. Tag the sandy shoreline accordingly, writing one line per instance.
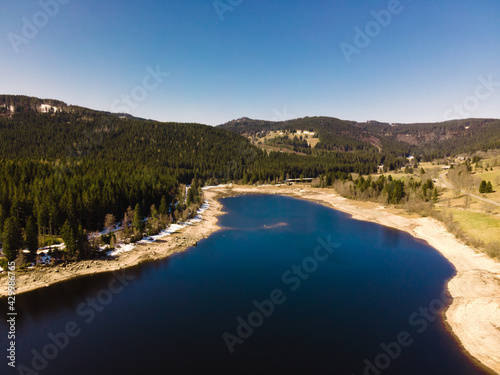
(473, 317)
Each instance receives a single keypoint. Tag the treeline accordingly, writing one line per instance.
(37, 203)
(50, 193)
(383, 189)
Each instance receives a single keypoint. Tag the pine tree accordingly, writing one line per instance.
(435, 195)
(489, 187)
(11, 237)
(137, 220)
(191, 195)
(52, 215)
(42, 218)
(83, 245)
(68, 234)
(482, 187)
(164, 206)
(127, 219)
(3, 216)
(154, 212)
(31, 237)
(153, 222)
(109, 221)
(15, 207)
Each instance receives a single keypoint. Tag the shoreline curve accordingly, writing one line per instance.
(473, 318)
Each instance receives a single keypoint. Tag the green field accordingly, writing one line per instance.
(479, 226)
(493, 176)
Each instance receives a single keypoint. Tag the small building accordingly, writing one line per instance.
(298, 180)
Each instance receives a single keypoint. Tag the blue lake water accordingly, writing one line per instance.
(287, 287)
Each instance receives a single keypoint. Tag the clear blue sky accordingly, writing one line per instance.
(269, 59)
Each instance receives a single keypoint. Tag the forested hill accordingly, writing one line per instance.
(426, 141)
(80, 164)
(61, 163)
(186, 149)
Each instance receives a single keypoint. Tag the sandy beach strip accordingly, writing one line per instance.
(473, 317)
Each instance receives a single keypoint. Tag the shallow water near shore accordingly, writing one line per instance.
(363, 301)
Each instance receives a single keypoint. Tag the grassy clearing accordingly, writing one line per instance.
(493, 176)
(427, 165)
(490, 159)
(476, 229)
(312, 142)
(431, 173)
(478, 226)
(275, 134)
(396, 175)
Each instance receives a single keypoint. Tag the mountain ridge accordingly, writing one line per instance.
(429, 140)
(424, 140)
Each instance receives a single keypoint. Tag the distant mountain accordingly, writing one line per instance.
(50, 129)
(426, 140)
(10, 104)
(348, 142)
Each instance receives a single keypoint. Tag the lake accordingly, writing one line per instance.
(287, 287)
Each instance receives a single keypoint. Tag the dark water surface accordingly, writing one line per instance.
(333, 315)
